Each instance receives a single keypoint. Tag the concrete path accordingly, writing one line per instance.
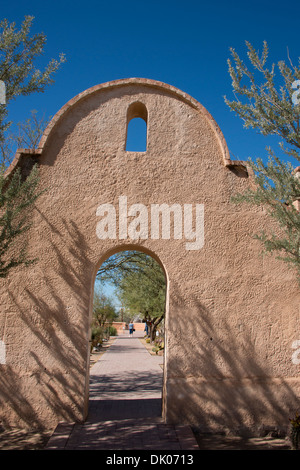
(125, 405)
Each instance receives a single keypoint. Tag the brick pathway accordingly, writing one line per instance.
(125, 406)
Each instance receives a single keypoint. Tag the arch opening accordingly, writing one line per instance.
(136, 128)
(130, 286)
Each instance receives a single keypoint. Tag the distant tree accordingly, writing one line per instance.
(140, 283)
(272, 107)
(104, 313)
(18, 192)
(143, 295)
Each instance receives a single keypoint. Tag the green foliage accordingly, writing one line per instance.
(30, 131)
(27, 136)
(264, 101)
(295, 422)
(276, 189)
(103, 315)
(141, 284)
(112, 331)
(97, 335)
(144, 292)
(159, 345)
(103, 310)
(267, 104)
(16, 198)
(295, 431)
(18, 52)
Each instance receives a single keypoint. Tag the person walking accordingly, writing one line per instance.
(131, 328)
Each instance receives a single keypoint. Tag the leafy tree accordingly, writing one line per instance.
(18, 52)
(27, 136)
(141, 285)
(267, 101)
(104, 313)
(18, 192)
(144, 293)
(30, 132)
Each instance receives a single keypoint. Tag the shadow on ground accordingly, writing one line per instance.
(124, 409)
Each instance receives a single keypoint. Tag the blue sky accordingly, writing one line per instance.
(185, 44)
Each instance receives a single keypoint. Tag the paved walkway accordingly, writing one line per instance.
(125, 405)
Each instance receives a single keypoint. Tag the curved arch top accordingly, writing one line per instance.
(131, 247)
(144, 82)
(154, 84)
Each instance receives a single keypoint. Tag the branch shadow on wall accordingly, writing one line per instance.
(230, 390)
(228, 385)
(56, 353)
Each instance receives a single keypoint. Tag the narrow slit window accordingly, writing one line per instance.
(136, 135)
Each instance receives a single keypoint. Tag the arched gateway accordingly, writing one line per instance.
(232, 315)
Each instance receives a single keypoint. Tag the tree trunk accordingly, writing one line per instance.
(154, 326)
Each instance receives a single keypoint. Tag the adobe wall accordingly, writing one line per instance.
(232, 314)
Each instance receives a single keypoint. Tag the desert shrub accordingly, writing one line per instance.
(111, 331)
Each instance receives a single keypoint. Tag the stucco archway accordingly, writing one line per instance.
(229, 362)
(105, 257)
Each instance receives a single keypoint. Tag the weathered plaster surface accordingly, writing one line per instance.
(232, 314)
